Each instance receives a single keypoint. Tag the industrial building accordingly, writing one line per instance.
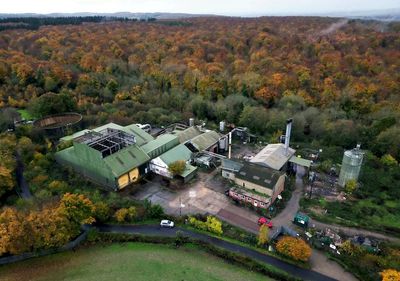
(109, 155)
(115, 156)
(255, 184)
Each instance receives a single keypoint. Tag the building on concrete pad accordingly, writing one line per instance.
(274, 156)
(254, 179)
(160, 145)
(159, 165)
(108, 155)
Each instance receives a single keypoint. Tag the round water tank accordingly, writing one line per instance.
(351, 166)
(191, 122)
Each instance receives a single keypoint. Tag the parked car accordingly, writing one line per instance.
(265, 221)
(167, 223)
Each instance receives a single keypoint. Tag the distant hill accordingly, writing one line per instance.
(119, 15)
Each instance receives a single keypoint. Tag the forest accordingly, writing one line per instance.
(339, 83)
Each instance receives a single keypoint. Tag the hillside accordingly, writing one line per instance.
(347, 75)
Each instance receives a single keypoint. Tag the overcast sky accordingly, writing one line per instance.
(221, 7)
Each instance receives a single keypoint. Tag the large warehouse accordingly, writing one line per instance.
(109, 155)
(115, 156)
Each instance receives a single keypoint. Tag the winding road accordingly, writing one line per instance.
(25, 193)
(155, 230)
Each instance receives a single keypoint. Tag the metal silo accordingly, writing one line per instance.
(351, 165)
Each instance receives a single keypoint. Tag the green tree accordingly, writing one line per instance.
(53, 103)
(389, 160)
(350, 186)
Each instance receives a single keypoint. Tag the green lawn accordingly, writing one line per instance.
(25, 114)
(129, 261)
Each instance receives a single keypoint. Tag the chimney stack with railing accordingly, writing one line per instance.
(287, 136)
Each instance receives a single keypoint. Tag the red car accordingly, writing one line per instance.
(265, 221)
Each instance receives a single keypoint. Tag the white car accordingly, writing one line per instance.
(167, 223)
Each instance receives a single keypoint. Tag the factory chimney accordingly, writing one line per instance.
(287, 136)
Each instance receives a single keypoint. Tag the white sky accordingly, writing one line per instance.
(221, 7)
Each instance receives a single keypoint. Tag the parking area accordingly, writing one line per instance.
(205, 196)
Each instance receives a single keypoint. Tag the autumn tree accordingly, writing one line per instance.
(294, 248)
(263, 235)
(177, 167)
(15, 236)
(7, 163)
(390, 275)
(125, 214)
(78, 209)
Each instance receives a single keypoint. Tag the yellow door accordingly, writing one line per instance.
(134, 175)
(123, 181)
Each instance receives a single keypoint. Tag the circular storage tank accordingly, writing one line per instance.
(351, 166)
(58, 121)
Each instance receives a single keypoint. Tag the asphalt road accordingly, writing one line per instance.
(155, 230)
(23, 185)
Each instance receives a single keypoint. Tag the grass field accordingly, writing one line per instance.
(25, 114)
(129, 261)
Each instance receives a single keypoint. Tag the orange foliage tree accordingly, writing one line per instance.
(294, 248)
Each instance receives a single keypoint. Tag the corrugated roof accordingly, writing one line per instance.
(141, 136)
(180, 152)
(188, 134)
(300, 161)
(205, 140)
(126, 159)
(273, 156)
(262, 176)
(160, 145)
(231, 165)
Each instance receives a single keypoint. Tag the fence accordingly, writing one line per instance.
(69, 246)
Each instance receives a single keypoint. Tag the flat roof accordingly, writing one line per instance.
(300, 161)
(273, 156)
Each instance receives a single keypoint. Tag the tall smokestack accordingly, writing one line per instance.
(230, 146)
(287, 136)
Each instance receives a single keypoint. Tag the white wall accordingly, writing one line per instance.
(158, 167)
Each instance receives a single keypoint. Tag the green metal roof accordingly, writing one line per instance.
(231, 165)
(126, 159)
(141, 136)
(205, 140)
(75, 135)
(300, 161)
(189, 169)
(160, 145)
(187, 134)
(180, 152)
